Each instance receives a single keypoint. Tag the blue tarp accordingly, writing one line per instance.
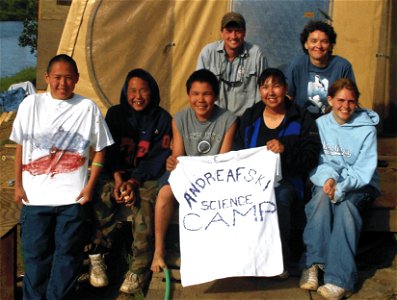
(10, 100)
(276, 25)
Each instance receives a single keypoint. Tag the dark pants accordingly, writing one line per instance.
(286, 195)
(109, 214)
(53, 241)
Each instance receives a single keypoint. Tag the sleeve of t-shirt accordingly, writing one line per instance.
(101, 133)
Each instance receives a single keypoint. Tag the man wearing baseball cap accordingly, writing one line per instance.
(236, 63)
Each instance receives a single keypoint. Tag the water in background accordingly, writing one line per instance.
(13, 58)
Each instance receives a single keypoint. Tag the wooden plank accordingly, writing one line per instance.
(8, 259)
(7, 158)
(381, 220)
(2, 117)
(388, 183)
(9, 212)
(9, 116)
(383, 215)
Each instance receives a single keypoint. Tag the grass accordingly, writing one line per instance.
(28, 74)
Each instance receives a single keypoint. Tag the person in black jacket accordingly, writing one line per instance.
(142, 132)
(284, 128)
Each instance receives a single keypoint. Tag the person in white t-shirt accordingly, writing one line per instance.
(55, 132)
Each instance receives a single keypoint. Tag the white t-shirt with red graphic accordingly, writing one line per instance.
(56, 137)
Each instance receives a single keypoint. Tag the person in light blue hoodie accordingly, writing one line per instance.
(344, 183)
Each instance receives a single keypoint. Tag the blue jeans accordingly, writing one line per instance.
(286, 195)
(331, 235)
(53, 240)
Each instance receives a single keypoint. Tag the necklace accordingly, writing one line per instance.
(272, 120)
(273, 116)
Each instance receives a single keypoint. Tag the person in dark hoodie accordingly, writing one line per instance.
(285, 128)
(142, 132)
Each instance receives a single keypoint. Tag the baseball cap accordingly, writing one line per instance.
(233, 17)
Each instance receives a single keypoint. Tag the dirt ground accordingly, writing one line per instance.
(377, 266)
(376, 260)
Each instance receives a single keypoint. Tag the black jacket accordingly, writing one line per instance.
(298, 133)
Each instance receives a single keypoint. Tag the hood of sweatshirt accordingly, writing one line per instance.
(361, 117)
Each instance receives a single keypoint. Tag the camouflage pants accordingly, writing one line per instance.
(109, 216)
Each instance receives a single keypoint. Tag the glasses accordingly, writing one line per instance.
(142, 92)
(231, 83)
(228, 72)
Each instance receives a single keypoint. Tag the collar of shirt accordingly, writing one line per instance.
(221, 49)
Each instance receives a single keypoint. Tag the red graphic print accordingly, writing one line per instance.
(58, 161)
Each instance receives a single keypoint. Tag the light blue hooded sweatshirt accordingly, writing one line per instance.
(349, 153)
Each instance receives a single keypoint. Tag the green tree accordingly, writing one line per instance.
(28, 37)
(18, 10)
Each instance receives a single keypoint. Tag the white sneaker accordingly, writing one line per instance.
(133, 282)
(333, 292)
(98, 277)
(309, 278)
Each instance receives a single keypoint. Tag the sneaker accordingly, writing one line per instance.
(98, 277)
(133, 282)
(309, 278)
(333, 292)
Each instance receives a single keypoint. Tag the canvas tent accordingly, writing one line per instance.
(110, 37)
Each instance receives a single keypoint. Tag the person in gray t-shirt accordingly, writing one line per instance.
(202, 129)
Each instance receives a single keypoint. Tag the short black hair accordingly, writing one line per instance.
(64, 58)
(276, 74)
(314, 25)
(203, 75)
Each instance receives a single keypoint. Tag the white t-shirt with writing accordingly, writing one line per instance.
(228, 215)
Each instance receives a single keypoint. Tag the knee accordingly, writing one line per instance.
(347, 208)
(319, 203)
(165, 197)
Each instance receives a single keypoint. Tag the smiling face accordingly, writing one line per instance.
(273, 93)
(62, 79)
(233, 37)
(318, 47)
(202, 99)
(343, 105)
(138, 94)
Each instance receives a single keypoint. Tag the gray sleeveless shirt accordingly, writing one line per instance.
(203, 138)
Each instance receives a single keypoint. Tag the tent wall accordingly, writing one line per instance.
(276, 27)
(364, 38)
(110, 37)
(51, 17)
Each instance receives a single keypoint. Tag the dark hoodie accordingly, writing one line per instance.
(142, 139)
(298, 133)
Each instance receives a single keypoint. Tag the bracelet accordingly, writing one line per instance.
(97, 164)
